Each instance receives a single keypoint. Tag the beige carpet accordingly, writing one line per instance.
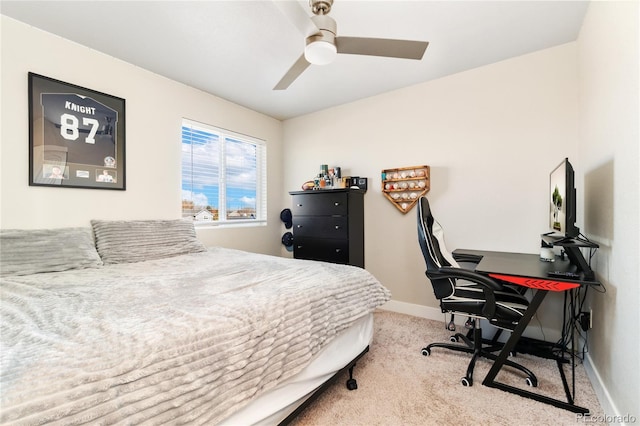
(397, 385)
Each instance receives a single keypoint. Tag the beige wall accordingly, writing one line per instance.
(609, 138)
(490, 135)
(155, 107)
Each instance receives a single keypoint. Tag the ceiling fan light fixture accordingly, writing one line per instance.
(323, 45)
(320, 52)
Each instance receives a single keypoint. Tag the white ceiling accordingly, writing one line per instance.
(240, 49)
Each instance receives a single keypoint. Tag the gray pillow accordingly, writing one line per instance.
(128, 241)
(30, 251)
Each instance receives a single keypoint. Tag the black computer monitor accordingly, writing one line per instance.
(562, 220)
(562, 201)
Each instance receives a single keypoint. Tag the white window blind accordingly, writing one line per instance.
(223, 176)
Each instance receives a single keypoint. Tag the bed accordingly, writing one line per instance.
(136, 322)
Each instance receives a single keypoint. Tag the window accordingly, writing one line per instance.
(223, 176)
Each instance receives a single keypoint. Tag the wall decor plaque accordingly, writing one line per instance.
(403, 186)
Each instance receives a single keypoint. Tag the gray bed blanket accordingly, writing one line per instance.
(188, 339)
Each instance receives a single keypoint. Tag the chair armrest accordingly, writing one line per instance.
(467, 257)
(488, 285)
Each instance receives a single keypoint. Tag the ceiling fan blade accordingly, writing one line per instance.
(294, 72)
(298, 16)
(407, 49)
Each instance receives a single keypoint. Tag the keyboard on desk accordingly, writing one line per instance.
(563, 274)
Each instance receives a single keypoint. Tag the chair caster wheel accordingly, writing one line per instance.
(531, 382)
(426, 351)
(453, 339)
(466, 382)
(352, 384)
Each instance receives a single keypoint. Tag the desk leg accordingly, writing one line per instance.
(489, 381)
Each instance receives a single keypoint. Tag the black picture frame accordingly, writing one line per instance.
(76, 136)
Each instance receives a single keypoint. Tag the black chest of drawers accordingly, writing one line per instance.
(328, 225)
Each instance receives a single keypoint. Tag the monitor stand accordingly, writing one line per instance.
(571, 247)
(550, 239)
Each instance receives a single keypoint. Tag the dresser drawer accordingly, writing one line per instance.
(324, 249)
(321, 226)
(320, 204)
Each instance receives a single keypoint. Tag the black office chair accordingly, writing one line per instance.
(468, 293)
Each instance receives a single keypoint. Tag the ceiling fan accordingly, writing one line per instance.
(323, 43)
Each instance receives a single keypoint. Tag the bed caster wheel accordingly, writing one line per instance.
(466, 382)
(531, 382)
(352, 384)
(426, 351)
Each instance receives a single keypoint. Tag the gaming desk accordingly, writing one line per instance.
(529, 271)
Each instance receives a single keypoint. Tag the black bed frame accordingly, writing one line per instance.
(351, 385)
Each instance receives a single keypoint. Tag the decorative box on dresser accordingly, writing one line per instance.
(328, 225)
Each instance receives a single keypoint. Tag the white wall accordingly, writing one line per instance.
(609, 96)
(155, 107)
(491, 136)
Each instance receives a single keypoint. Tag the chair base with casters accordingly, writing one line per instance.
(471, 294)
(478, 349)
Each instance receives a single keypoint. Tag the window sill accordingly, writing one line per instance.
(230, 224)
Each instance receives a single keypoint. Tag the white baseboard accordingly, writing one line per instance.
(428, 312)
(606, 402)
(436, 314)
(420, 311)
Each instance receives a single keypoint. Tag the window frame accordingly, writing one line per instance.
(261, 176)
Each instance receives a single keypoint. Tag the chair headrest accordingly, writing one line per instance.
(434, 235)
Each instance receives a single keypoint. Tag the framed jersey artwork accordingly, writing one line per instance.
(76, 136)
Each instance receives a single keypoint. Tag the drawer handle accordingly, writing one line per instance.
(299, 205)
(299, 247)
(336, 203)
(298, 226)
(337, 226)
(338, 250)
